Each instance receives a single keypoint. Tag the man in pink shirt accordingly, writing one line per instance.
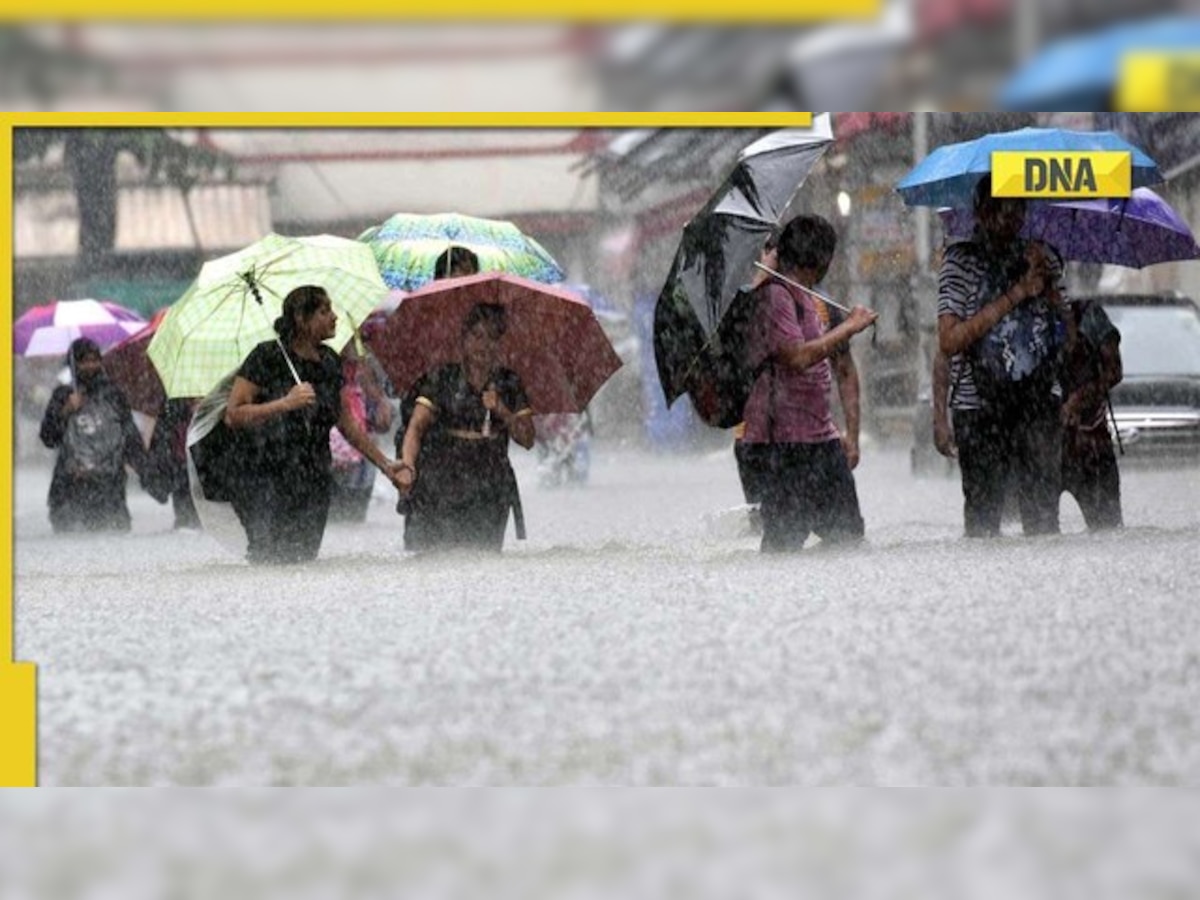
(791, 437)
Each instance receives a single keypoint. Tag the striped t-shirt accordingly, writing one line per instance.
(965, 285)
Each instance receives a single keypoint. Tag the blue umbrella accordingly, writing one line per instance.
(948, 175)
(1137, 232)
(1080, 74)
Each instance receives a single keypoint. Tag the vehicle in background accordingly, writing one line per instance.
(1157, 404)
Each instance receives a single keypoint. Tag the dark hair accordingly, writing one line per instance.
(983, 192)
(493, 317)
(301, 303)
(81, 347)
(452, 258)
(807, 242)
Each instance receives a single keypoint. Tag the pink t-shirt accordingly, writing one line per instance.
(802, 412)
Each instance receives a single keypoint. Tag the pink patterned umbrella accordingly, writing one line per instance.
(48, 330)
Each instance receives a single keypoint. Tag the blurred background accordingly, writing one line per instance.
(917, 54)
(129, 218)
(128, 215)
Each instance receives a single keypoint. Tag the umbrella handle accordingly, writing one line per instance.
(802, 287)
(252, 283)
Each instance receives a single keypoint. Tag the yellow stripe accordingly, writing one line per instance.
(473, 10)
(18, 697)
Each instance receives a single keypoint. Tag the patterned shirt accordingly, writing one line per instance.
(967, 281)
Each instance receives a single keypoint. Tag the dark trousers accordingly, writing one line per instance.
(1023, 445)
(284, 524)
(750, 477)
(1091, 476)
(806, 489)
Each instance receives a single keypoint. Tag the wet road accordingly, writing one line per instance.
(637, 637)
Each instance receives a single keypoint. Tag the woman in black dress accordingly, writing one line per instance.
(283, 421)
(454, 465)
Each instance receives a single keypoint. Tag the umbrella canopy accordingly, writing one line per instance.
(1080, 74)
(553, 340)
(407, 245)
(48, 330)
(129, 368)
(1137, 232)
(233, 303)
(720, 244)
(948, 175)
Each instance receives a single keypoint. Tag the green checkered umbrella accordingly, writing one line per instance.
(232, 305)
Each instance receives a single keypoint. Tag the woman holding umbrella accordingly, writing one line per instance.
(285, 399)
(458, 435)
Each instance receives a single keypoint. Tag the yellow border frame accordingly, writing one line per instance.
(696, 11)
(18, 703)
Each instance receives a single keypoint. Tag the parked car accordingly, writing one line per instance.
(1157, 404)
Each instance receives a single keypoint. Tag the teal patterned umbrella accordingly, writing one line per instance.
(233, 304)
(407, 245)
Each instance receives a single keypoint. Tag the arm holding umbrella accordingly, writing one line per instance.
(803, 354)
(519, 425)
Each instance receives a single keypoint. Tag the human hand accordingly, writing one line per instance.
(850, 448)
(301, 395)
(861, 318)
(1070, 411)
(74, 402)
(403, 476)
(943, 438)
(1033, 282)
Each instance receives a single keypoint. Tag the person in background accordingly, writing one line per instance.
(748, 476)
(455, 262)
(168, 471)
(1092, 367)
(90, 424)
(353, 474)
(791, 436)
(283, 490)
(454, 467)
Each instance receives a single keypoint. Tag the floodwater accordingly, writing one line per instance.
(636, 638)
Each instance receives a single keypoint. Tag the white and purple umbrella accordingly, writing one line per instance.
(1135, 232)
(48, 330)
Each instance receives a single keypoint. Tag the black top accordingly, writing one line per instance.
(459, 406)
(100, 391)
(298, 439)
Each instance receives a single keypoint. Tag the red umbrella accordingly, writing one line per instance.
(130, 369)
(553, 340)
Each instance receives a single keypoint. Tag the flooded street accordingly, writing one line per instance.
(636, 638)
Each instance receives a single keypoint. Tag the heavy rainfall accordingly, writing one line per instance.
(637, 635)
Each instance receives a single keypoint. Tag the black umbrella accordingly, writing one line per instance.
(720, 245)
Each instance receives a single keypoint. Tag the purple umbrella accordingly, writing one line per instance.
(48, 330)
(1135, 232)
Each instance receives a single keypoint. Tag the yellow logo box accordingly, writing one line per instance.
(1158, 82)
(1062, 174)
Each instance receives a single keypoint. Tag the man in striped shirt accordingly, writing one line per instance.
(999, 327)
